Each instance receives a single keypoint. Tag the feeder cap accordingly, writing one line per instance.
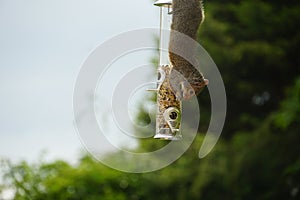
(163, 3)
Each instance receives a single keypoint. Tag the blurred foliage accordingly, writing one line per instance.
(255, 45)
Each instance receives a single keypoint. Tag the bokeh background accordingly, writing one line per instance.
(43, 46)
(254, 43)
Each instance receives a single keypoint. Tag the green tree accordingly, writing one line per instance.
(255, 45)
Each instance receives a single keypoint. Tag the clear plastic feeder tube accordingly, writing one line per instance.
(165, 28)
(168, 115)
(169, 109)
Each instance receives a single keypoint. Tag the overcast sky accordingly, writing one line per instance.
(43, 44)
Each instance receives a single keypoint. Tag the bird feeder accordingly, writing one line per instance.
(165, 28)
(168, 115)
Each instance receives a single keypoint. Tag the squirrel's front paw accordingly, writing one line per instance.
(183, 90)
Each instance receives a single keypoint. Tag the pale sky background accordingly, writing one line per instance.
(43, 44)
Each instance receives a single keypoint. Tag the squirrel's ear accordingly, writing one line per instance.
(206, 81)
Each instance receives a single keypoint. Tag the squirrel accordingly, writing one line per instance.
(186, 80)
